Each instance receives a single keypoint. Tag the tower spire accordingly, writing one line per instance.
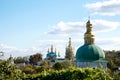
(51, 48)
(89, 18)
(70, 42)
(55, 50)
(88, 36)
(48, 50)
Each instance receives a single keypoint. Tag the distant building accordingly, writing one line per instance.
(90, 55)
(69, 54)
(52, 55)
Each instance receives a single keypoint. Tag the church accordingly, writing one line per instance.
(53, 56)
(87, 55)
(90, 55)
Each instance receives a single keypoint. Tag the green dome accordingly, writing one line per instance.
(51, 54)
(90, 52)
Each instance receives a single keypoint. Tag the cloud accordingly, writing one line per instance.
(104, 26)
(42, 46)
(73, 28)
(10, 49)
(106, 7)
(14, 51)
(109, 43)
(67, 28)
(60, 45)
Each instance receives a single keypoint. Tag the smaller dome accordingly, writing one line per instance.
(89, 53)
(51, 55)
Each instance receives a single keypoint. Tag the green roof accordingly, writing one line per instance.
(51, 54)
(90, 53)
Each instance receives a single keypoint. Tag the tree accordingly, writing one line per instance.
(45, 65)
(35, 58)
(113, 58)
(28, 69)
(67, 64)
(58, 66)
(20, 59)
(9, 71)
(73, 74)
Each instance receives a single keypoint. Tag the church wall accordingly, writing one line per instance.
(92, 64)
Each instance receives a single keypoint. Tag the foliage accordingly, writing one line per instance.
(9, 71)
(34, 69)
(58, 66)
(61, 71)
(116, 76)
(73, 74)
(45, 65)
(28, 70)
(38, 69)
(35, 58)
(113, 58)
(67, 63)
(20, 60)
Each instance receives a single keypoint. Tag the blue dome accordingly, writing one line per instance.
(90, 52)
(51, 54)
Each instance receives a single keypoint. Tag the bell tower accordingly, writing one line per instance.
(69, 51)
(88, 36)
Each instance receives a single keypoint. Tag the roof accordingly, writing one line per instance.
(90, 53)
(51, 54)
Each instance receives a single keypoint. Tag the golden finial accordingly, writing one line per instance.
(89, 36)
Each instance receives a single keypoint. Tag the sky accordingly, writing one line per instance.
(32, 26)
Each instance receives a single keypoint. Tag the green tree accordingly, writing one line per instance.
(35, 58)
(20, 60)
(9, 71)
(113, 58)
(45, 65)
(58, 66)
(67, 64)
(28, 70)
(74, 74)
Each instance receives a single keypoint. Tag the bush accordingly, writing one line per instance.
(74, 74)
(58, 66)
(28, 70)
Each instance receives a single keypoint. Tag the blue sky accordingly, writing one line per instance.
(30, 26)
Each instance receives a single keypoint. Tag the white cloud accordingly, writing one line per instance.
(14, 51)
(60, 45)
(104, 26)
(67, 28)
(106, 7)
(109, 43)
(73, 28)
(43, 45)
(10, 49)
